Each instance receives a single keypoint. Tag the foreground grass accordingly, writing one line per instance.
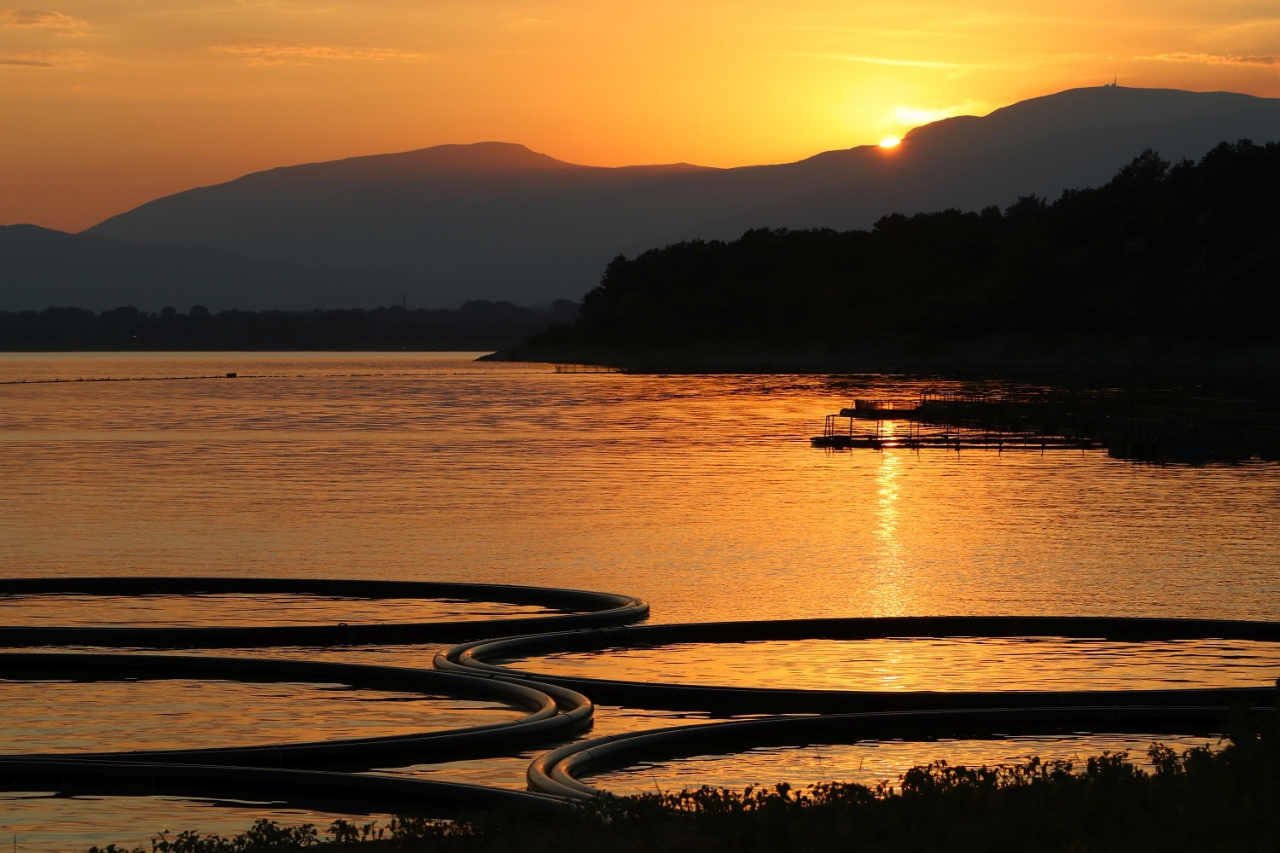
(1199, 800)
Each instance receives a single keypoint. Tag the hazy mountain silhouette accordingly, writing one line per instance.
(40, 267)
(499, 221)
(1163, 260)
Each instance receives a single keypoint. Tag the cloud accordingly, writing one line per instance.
(56, 21)
(65, 59)
(1271, 59)
(298, 54)
(16, 62)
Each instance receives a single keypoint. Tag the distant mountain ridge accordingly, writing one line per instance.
(498, 221)
(1097, 108)
(40, 267)
(1171, 262)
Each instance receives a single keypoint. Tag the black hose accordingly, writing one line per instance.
(559, 772)
(549, 719)
(556, 704)
(599, 609)
(474, 657)
(344, 793)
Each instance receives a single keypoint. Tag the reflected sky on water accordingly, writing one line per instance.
(700, 494)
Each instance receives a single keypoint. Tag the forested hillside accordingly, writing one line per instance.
(1168, 252)
(477, 325)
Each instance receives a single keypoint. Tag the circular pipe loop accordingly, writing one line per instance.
(349, 793)
(599, 609)
(560, 771)
(544, 722)
(557, 707)
(474, 657)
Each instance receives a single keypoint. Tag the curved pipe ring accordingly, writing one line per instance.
(560, 771)
(600, 609)
(310, 789)
(473, 658)
(549, 719)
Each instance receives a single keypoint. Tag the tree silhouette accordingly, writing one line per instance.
(1163, 251)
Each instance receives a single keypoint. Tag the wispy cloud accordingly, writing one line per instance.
(16, 62)
(299, 54)
(1217, 58)
(37, 18)
(64, 59)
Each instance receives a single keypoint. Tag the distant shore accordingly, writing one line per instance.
(477, 326)
(1011, 356)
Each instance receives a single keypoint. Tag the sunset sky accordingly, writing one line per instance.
(104, 105)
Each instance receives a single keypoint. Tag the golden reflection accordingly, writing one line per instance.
(939, 664)
(241, 610)
(870, 762)
(888, 593)
(700, 494)
(890, 670)
(63, 716)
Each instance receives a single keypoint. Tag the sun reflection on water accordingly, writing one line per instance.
(889, 595)
(698, 493)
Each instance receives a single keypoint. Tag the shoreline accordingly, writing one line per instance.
(1081, 361)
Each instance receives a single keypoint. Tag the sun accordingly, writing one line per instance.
(890, 142)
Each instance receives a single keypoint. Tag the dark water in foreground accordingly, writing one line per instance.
(700, 494)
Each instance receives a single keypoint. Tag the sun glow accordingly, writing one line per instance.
(890, 142)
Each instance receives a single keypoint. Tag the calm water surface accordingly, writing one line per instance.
(934, 664)
(700, 494)
(51, 716)
(871, 762)
(241, 609)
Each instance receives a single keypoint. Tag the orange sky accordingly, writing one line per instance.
(104, 105)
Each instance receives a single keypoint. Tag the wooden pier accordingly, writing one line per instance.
(1193, 431)
(915, 438)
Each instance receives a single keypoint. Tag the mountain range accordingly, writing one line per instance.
(493, 220)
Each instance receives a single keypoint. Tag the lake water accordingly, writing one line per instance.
(699, 494)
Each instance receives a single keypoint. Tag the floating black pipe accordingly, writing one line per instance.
(546, 721)
(344, 793)
(599, 609)
(473, 657)
(559, 772)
